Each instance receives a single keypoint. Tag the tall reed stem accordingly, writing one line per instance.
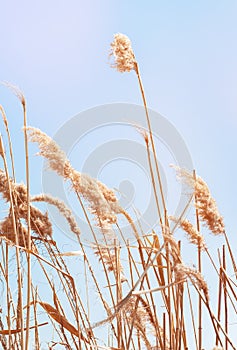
(28, 229)
(19, 272)
(225, 296)
(136, 67)
(200, 271)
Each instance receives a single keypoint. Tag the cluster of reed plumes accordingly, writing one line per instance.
(145, 295)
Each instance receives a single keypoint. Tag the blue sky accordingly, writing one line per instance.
(57, 53)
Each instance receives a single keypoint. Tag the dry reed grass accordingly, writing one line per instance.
(142, 291)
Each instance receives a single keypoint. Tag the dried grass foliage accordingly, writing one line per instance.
(140, 296)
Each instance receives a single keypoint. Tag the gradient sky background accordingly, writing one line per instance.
(57, 53)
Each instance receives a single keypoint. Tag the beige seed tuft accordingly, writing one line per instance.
(121, 50)
(193, 235)
(102, 201)
(204, 202)
(181, 272)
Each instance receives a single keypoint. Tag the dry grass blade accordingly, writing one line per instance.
(157, 289)
(1, 147)
(159, 260)
(72, 253)
(15, 331)
(58, 317)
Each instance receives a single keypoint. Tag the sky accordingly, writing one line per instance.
(57, 53)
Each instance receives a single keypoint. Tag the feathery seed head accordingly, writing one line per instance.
(7, 231)
(102, 201)
(40, 222)
(193, 235)
(121, 50)
(17, 92)
(49, 149)
(204, 202)
(64, 210)
(181, 272)
(173, 245)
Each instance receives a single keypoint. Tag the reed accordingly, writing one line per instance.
(143, 295)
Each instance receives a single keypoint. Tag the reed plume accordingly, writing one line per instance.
(181, 272)
(7, 231)
(40, 223)
(141, 290)
(63, 209)
(193, 235)
(139, 313)
(121, 50)
(102, 201)
(174, 248)
(108, 255)
(204, 202)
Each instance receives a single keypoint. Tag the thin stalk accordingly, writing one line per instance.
(138, 341)
(73, 300)
(34, 299)
(150, 294)
(153, 180)
(164, 331)
(179, 310)
(28, 227)
(200, 271)
(231, 254)
(160, 275)
(128, 296)
(8, 297)
(68, 287)
(192, 317)
(144, 275)
(155, 318)
(151, 137)
(3, 271)
(4, 117)
(215, 322)
(118, 297)
(96, 241)
(219, 303)
(169, 310)
(182, 323)
(61, 334)
(130, 258)
(225, 297)
(130, 264)
(87, 289)
(227, 278)
(19, 276)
